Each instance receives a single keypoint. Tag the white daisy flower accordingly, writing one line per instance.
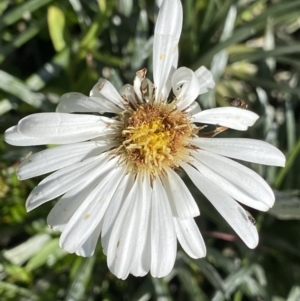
(117, 176)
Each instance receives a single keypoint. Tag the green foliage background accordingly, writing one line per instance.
(50, 47)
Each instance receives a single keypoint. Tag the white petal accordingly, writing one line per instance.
(60, 182)
(234, 118)
(104, 89)
(181, 201)
(89, 246)
(142, 259)
(240, 182)
(114, 208)
(13, 137)
(127, 92)
(168, 85)
(165, 45)
(190, 237)
(250, 150)
(185, 86)
(231, 211)
(61, 128)
(58, 157)
(68, 204)
(193, 109)
(163, 236)
(122, 243)
(92, 210)
(137, 82)
(205, 79)
(77, 102)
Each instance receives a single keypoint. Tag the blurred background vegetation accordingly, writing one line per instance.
(50, 47)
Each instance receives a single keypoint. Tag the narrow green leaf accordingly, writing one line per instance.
(3, 5)
(13, 290)
(190, 285)
(48, 254)
(80, 282)
(256, 55)
(294, 295)
(289, 163)
(208, 15)
(161, 289)
(56, 24)
(48, 71)
(17, 13)
(287, 205)
(21, 253)
(83, 18)
(14, 86)
(242, 277)
(22, 38)
(264, 83)
(290, 126)
(280, 11)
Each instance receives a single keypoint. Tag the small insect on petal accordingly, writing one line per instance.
(237, 102)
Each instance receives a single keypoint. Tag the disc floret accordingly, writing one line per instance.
(156, 136)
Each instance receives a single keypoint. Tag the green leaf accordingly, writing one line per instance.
(56, 24)
(256, 55)
(14, 86)
(3, 5)
(17, 13)
(161, 289)
(21, 253)
(287, 205)
(49, 254)
(22, 38)
(190, 285)
(288, 165)
(294, 295)
(13, 290)
(80, 282)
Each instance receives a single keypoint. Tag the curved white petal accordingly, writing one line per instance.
(240, 182)
(77, 102)
(104, 89)
(68, 204)
(185, 86)
(181, 201)
(52, 159)
(168, 85)
(165, 45)
(62, 128)
(193, 109)
(122, 243)
(142, 259)
(205, 79)
(163, 236)
(231, 211)
(127, 92)
(60, 182)
(190, 238)
(13, 137)
(114, 208)
(234, 118)
(137, 84)
(89, 246)
(92, 210)
(250, 150)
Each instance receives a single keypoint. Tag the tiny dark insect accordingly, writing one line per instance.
(251, 218)
(237, 102)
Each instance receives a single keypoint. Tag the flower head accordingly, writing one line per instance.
(117, 176)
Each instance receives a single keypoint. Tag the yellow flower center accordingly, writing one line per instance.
(155, 136)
